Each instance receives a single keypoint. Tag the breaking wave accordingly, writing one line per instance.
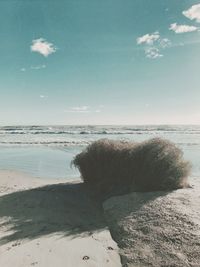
(83, 135)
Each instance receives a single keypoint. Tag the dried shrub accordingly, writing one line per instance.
(110, 167)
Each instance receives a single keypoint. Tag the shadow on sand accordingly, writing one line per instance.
(65, 209)
(57, 208)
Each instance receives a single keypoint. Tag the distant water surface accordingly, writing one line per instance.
(46, 151)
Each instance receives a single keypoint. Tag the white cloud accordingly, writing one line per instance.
(81, 109)
(38, 67)
(193, 13)
(164, 43)
(182, 28)
(43, 96)
(153, 53)
(148, 38)
(23, 69)
(153, 44)
(43, 47)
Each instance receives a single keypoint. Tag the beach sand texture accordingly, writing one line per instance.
(157, 228)
(43, 224)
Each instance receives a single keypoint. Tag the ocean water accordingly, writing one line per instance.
(47, 151)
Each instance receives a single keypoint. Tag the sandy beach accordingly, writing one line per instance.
(51, 223)
(157, 228)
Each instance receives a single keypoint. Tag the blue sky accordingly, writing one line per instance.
(99, 62)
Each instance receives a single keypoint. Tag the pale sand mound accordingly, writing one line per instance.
(157, 229)
(54, 225)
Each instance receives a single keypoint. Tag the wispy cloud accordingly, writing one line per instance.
(148, 38)
(193, 13)
(153, 52)
(83, 109)
(164, 43)
(153, 44)
(182, 28)
(80, 109)
(42, 47)
(43, 96)
(38, 67)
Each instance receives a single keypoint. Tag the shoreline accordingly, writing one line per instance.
(51, 223)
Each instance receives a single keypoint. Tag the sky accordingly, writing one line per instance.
(99, 62)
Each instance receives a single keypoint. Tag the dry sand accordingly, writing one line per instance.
(47, 224)
(157, 229)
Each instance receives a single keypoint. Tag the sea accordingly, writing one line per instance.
(47, 151)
